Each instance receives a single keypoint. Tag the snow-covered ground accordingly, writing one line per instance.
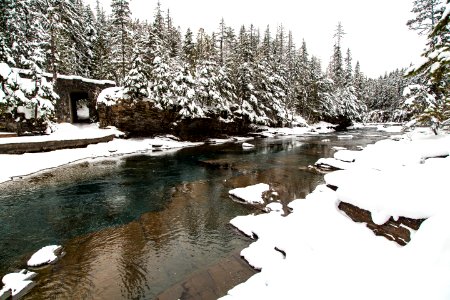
(25, 164)
(317, 252)
(65, 131)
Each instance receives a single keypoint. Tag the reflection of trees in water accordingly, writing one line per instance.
(125, 260)
(186, 229)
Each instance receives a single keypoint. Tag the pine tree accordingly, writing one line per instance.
(189, 49)
(120, 37)
(5, 49)
(303, 82)
(101, 48)
(221, 39)
(336, 66)
(60, 21)
(136, 82)
(358, 82)
(173, 38)
(159, 28)
(427, 12)
(348, 69)
(432, 101)
(183, 89)
(245, 89)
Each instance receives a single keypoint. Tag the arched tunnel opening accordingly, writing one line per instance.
(80, 107)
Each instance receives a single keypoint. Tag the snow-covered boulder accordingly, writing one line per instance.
(275, 207)
(251, 194)
(346, 155)
(17, 284)
(332, 164)
(44, 256)
(247, 146)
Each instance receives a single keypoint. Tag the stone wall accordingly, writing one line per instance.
(65, 87)
(142, 118)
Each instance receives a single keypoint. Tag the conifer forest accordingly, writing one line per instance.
(258, 74)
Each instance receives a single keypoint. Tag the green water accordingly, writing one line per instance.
(134, 226)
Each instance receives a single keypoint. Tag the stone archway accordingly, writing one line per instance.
(79, 104)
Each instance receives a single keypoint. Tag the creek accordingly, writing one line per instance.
(132, 227)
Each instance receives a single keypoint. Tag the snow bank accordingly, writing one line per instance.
(44, 256)
(29, 163)
(340, 259)
(66, 131)
(414, 191)
(317, 252)
(251, 194)
(346, 155)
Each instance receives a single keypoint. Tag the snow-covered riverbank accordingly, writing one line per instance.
(14, 165)
(318, 252)
(29, 163)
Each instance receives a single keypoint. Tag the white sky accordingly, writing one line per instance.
(377, 34)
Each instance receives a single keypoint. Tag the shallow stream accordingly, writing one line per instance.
(133, 226)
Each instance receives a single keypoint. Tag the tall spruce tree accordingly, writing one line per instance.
(120, 37)
(101, 48)
(336, 64)
(432, 101)
(427, 14)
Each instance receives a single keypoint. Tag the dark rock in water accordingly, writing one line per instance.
(217, 163)
(398, 231)
(142, 118)
(226, 164)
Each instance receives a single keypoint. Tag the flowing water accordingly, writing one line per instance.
(134, 226)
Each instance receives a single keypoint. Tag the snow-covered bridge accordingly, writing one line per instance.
(77, 96)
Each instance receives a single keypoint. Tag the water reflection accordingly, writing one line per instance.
(142, 258)
(132, 227)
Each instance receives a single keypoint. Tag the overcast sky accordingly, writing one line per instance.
(375, 30)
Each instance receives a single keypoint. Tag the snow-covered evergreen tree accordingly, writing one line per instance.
(432, 99)
(427, 14)
(136, 82)
(189, 49)
(25, 99)
(183, 89)
(120, 37)
(336, 69)
(101, 48)
(348, 69)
